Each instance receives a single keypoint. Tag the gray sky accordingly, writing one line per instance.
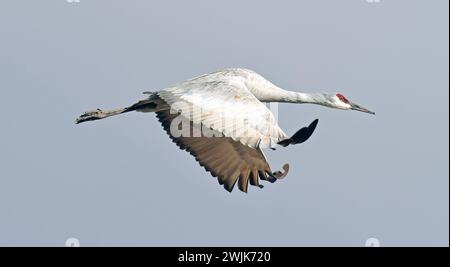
(123, 182)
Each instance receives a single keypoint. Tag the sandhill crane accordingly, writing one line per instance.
(228, 103)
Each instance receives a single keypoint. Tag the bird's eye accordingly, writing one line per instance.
(342, 98)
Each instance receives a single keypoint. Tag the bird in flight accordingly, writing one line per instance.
(221, 119)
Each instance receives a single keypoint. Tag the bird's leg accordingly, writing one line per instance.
(151, 104)
(99, 114)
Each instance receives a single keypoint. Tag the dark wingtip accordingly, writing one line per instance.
(285, 142)
(301, 135)
(313, 125)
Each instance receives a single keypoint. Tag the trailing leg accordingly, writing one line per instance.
(152, 104)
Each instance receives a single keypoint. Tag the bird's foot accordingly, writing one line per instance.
(91, 116)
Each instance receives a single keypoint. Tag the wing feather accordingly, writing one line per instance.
(230, 161)
(226, 106)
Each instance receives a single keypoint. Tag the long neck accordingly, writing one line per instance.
(300, 98)
(266, 91)
(276, 94)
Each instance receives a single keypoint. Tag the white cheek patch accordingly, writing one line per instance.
(339, 104)
(345, 105)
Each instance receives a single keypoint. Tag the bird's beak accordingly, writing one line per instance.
(362, 109)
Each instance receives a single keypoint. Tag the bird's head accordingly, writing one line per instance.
(339, 101)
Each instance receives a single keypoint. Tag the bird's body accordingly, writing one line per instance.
(234, 95)
(225, 123)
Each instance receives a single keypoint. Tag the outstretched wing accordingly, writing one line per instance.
(229, 160)
(226, 106)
